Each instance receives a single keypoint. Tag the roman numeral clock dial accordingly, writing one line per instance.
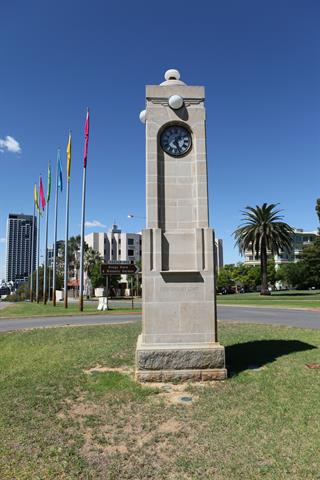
(175, 140)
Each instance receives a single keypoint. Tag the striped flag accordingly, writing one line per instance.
(49, 183)
(41, 193)
(69, 157)
(86, 140)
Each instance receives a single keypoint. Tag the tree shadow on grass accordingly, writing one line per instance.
(296, 294)
(256, 354)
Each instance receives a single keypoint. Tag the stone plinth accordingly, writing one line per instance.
(165, 362)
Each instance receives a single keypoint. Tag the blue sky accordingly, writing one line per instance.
(259, 61)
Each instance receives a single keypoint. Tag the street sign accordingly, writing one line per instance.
(119, 262)
(118, 268)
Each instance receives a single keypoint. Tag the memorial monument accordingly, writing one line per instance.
(179, 321)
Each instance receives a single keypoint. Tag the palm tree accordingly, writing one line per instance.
(318, 208)
(91, 258)
(263, 232)
(74, 255)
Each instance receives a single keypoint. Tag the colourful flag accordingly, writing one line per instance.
(60, 181)
(35, 195)
(49, 183)
(69, 157)
(41, 193)
(86, 140)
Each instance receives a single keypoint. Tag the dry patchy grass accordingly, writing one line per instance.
(69, 409)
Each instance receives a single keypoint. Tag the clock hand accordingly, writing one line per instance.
(177, 145)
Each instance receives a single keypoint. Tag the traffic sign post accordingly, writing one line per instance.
(132, 292)
(118, 268)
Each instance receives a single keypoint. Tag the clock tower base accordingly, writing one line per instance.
(184, 362)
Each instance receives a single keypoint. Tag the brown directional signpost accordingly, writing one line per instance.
(112, 268)
(118, 267)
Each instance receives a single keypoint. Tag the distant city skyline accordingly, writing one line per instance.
(260, 65)
(20, 242)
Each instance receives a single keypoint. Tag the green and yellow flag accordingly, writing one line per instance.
(69, 157)
(35, 196)
(49, 183)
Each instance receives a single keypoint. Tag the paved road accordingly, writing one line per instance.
(274, 316)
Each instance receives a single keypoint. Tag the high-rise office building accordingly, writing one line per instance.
(19, 244)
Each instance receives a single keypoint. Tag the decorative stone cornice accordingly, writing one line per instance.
(164, 101)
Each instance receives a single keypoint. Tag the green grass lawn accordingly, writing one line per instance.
(290, 298)
(27, 309)
(287, 299)
(59, 422)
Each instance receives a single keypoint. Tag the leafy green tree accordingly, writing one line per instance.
(310, 261)
(248, 276)
(263, 231)
(318, 208)
(293, 275)
(225, 279)
(272, 276)
(251, 278)
(97, 280)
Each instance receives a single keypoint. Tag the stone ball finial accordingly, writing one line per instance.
(175, 102)
(172, 74)
(142, 116)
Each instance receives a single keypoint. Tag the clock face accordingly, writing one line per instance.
(175, 140)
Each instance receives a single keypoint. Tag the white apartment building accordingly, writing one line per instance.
(300, 238)
(116, 245)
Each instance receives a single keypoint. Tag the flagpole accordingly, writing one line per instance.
(32, 253)
(66, 266)
(55, 236)
(82, 235)
(38, 255)
(66, 263)
(49, 282)
(45, 258)
(84, 178)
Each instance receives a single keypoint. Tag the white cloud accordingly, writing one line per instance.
(9, 144)
(95, 223)
(2, 240)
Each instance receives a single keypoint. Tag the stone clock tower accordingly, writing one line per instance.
(179, 324)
